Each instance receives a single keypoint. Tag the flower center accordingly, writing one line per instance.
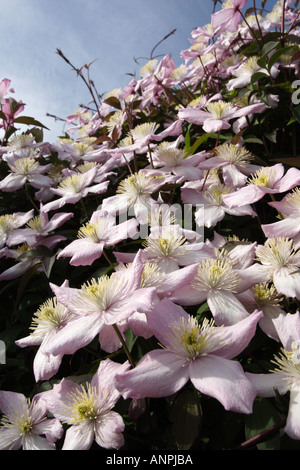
(266, 294)
(36, 224)
(72, 184)
(102, 292)
(137, 186)
(234, 154)
(7, 223)
(263, 177)
(288, 362)
(277, 252)
(143, 130)
(25, 166)
(166, 245)
(217, 274)
(215, 193)
(292, 201)
(170, 155)
(187, 338)
(151, 276)
(82, 404)
(50, 316)
(93, 231)
(218, 109)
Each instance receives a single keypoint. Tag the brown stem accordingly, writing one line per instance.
(262, 436)
(124, 345)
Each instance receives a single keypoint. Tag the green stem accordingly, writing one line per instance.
(150, 155)
(124, 345)
(251, 29)
(29, 198)
(108, 260)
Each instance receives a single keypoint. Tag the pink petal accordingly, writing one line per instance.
(215, 125)
(292, 427)
(159, 373)
(246, 195)
(289, 180)
(226, 308)
(75, 335)
(79, 437)
(265, 384)
(121, 232)
(237, 337)
(83, 252)
(108, 431)
(288, 227)
(224, 380)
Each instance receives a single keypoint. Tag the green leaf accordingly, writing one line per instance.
(14, 105)
(268, 47)
(29, 121)
(3, 116)
(187, 418)
(23, 283)
(130, 339)
(204, 307)
(274, 58)
(114, 102)
(187, 140)
(257, 76)
(263, 417)
(198, 142)
(296, 112)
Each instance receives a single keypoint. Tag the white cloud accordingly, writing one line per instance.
(111, 32)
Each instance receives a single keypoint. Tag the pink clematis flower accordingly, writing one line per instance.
(217, 114)
(200, 353)
(100, 231)
(280, 263)
(25, 170)
(10, 223)
(143, 134)
(217, 281)
(267, 180)
(87, 409)
(134, 194)
(210, 205)
(47, 321)
(38, 229)
(286, 376)
(235, 161)
(100, 302)
(229, 17)
(25, 258)
(24, 423)
(75, 187)
(289, 225)
(171, 159)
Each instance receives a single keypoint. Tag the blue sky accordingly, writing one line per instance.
(112, 32)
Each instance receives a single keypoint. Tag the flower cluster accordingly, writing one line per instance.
(145, 278)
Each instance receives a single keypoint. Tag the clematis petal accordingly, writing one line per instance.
(292, 427)
(226, 308)
(108, 431)
(224, 380)
(83, 252)
(159, 373)
(79, 437)
(75, 335)
(267, 384)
